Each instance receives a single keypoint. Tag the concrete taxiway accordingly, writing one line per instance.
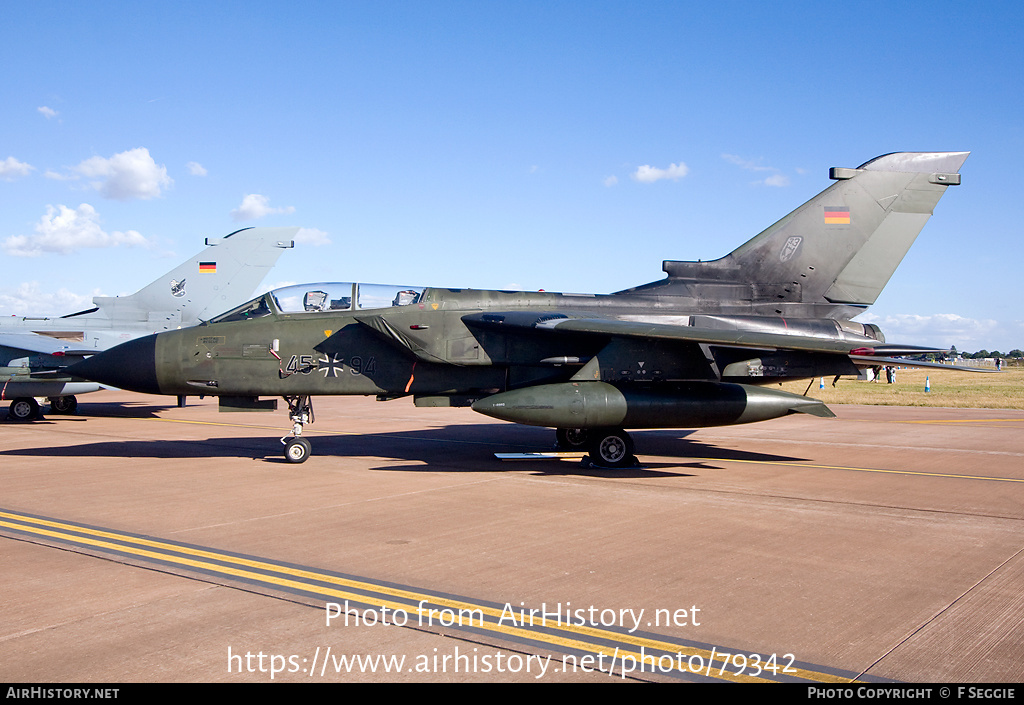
(143, 542)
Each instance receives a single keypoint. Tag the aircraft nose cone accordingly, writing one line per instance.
(130, 366)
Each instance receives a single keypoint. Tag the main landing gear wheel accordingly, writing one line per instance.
(297, 450)
(571, 438)
(24, 409)
(611, 448)
(63, 405)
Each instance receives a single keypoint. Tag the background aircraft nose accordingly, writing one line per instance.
(130, 366)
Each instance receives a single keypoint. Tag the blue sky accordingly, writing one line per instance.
(498, 144)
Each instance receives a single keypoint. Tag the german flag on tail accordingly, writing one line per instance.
(211, 267)
(837, 215)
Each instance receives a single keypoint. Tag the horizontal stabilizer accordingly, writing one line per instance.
(36, 344)
(893, 350)
(872, 361)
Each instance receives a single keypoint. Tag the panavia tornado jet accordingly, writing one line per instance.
(694, 349)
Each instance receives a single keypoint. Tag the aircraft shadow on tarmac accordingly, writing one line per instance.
(440, 449)
(124, 410)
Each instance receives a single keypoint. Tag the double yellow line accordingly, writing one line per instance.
(613, 648)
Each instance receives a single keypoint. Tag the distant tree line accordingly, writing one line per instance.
(1014, 358)
(982, 354)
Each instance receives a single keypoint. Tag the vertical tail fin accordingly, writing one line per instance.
(843, 245)
(215, 280)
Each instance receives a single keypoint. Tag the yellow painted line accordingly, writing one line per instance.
(58, 531)
(942, 421)
(219, 423)
(854, 469)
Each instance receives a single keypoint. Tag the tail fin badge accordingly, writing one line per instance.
(790, 249)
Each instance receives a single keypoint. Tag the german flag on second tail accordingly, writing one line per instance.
(837, 215)
(211, 267)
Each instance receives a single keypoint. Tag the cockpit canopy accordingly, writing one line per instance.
(324, 297)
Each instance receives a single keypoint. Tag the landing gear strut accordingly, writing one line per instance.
(300, 410)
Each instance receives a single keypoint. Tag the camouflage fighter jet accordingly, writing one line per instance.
(693, 349)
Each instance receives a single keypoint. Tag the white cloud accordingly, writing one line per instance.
(312, 236)
(196, 169)
(64, 230)
(47, 112)
(648, 174)
(11, 169)
(747, 164)
(610, 181)
(31, 299)
(940, 329)
(124, 177)
(777, 178)
(255, 206)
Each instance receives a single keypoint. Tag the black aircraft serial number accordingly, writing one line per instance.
(331, 366)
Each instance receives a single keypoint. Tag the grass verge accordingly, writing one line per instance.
(948, 388)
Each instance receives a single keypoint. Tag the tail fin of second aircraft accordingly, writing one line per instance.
(838, 249)
(215, 280)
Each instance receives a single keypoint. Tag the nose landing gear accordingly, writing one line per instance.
(300, 410)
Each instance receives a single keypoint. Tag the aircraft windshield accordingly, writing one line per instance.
(343, 296)
(325, 296)
(257, 308)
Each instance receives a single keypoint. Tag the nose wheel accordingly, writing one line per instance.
(300, 411)
(296, 450)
